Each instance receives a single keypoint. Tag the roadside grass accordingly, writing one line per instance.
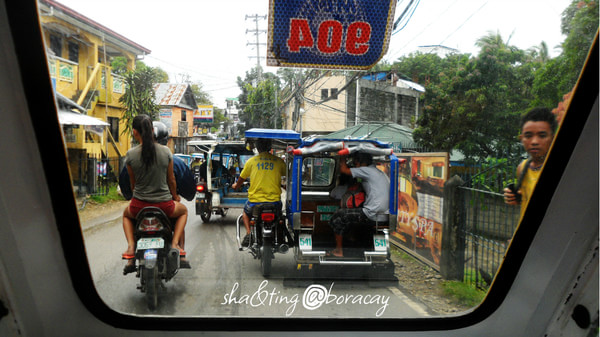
(112, 195)
(464, 293)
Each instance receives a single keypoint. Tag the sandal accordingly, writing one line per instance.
(127, 256)
(184, 264)
(129, 268)
(330, 254)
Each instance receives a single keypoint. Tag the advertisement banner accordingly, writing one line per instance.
(204, 114)
(166, 116)
(420, 204)
(329, 34)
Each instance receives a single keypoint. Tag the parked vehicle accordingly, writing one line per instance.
(314, 174)
(156, 260)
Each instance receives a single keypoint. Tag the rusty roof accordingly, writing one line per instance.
(171, 94)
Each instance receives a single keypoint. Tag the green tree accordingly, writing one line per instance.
(119, 65)
(259, 111)
(558, 76)
(201, 96)
(257, 100)
(473, 103)
(139, 95)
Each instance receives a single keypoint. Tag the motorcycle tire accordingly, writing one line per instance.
(151, 281)
(205, 215)
(266, 257)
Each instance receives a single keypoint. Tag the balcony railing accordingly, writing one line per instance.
(70, 83)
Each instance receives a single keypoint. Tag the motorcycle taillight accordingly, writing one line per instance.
(150, 224)
(267, 216)
(200, 188)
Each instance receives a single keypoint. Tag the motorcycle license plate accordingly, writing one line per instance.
(380, 243)
(200, 195)
(150, 243)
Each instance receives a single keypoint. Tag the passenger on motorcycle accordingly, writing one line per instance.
(186, 186)
(265, 171)
(150, 168)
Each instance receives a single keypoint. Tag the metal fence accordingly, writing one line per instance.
(486, 226)
(93, 175)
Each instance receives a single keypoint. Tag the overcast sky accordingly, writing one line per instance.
(208, 40)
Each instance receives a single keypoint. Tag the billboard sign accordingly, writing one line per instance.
(329, 34)
(420, 204)
(204, 114)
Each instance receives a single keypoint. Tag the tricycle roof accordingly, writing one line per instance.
(232, 147)
(287, 135)
(312, 141)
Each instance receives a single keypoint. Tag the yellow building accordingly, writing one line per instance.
(80, 52)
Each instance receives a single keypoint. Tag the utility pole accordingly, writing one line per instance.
(276, 114)
(357, 113)
(256, 42)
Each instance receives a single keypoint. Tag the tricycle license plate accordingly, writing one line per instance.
(380, 243)
(150, 243)
(200, 195)
(305, 241)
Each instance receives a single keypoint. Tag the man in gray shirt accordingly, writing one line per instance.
(376, 185)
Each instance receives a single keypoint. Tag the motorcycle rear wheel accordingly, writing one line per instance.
(266, 256)
(151, 280)
(205, 214)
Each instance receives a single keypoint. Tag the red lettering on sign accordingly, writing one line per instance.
(357, 39)
(329, 40)
(300, 35)
(330, 36)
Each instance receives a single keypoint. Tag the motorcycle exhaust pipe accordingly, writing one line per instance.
(283, 248)
(173, 257)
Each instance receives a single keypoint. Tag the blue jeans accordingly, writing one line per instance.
(249, 206)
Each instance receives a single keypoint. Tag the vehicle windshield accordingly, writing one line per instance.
(455, 88)
(318, 171)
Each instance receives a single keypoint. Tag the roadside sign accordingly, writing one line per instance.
(329, 34)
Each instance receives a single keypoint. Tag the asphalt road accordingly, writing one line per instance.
(225, 282)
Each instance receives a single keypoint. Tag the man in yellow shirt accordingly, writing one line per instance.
(265, 171)
(537, 131)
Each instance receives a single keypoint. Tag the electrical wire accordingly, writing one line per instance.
(423, 30)
(402, 17)
(464, 22)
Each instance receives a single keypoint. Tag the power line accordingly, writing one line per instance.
(404, 17)
(462, 24)
(423, 30)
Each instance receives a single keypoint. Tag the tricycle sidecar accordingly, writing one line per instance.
(315, 172)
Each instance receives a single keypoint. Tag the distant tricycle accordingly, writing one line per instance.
(215, 176)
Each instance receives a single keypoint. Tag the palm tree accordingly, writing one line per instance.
(139, 95)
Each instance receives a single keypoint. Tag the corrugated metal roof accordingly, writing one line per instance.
(384, 132)
(169, 94)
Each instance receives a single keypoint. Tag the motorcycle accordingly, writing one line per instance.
(157, 261)
(203, 201)
(268, 235)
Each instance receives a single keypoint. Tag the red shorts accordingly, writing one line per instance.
(136, 205)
